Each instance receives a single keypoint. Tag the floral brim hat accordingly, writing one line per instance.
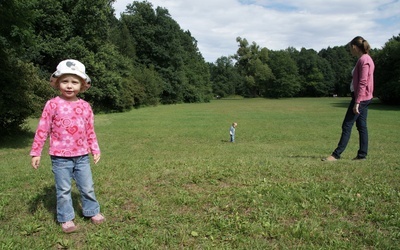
(71, 66)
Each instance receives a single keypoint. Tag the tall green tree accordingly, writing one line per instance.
(149, 88)
(196, 71)
(161, 44)
(224, 77)
(80, 29)
(122, 39)
(21, 88)
(315, 73)
(251, 62)
(69, 29)
(286, 81)
(91, 20)
(114, 86)
(341, 63)
(387, 72)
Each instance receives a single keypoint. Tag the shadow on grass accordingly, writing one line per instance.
(375, 105)
(226, 141)
(15, 140)
(305, 156)
(47, 199)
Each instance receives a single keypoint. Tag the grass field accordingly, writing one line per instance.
(169, 179)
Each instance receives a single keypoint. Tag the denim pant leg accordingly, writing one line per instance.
(347, 126)
(361, 124)
(62, 169)
(84, 182)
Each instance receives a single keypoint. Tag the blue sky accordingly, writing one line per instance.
(311, 24)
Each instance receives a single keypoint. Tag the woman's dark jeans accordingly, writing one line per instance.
(347, 125)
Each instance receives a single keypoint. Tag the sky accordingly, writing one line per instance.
(277, 25)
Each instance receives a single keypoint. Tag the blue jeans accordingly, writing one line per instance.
(347, 125)
(232, 138)
(78, 168)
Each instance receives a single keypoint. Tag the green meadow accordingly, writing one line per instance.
(169, 179)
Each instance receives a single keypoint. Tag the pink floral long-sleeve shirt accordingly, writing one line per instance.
(70, 126)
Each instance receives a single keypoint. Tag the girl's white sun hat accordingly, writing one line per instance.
(71, 66)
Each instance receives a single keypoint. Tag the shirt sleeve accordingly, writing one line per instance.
(91, 135)
(42, 131)
(363, 80)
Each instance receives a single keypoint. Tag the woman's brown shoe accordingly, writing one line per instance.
(329, 158)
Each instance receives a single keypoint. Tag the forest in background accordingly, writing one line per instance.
(144, 58)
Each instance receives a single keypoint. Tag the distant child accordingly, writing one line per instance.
(69, 122)
(232, 131)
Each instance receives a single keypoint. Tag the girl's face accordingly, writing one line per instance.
(70, 86)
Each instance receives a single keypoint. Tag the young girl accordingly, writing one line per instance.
(69, 122)
(361, 87)
(232, 131)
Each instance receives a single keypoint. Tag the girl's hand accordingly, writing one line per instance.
(355, 109)
(35, 162)
(96, 158)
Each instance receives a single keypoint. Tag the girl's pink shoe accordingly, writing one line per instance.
(98, 219)
(68, 227)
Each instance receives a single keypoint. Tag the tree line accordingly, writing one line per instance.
(144, 58)
(259, 72)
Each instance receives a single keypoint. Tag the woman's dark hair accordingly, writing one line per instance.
(361, 43)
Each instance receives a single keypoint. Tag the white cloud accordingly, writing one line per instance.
(311, 24)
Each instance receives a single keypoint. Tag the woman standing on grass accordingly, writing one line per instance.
(362, 87)
(69, 122)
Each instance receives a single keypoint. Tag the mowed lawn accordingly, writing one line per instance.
(169, 179)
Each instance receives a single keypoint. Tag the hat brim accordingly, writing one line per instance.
(56, 75)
